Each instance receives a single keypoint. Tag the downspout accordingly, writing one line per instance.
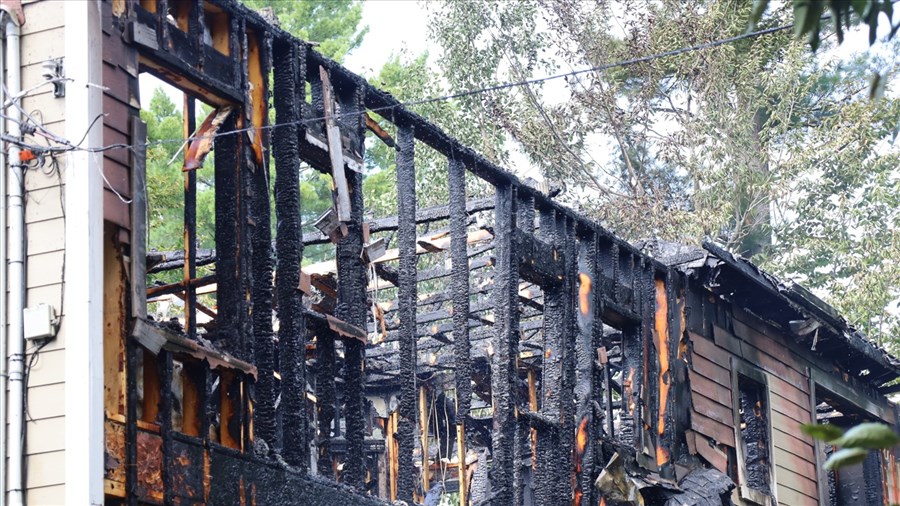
(3, 320)
(15, 261)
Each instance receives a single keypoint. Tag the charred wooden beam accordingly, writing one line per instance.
(426, 215)
(289, 88)
(539, 261)
(459, 288)
(503, 364)
(190, 228)
(406, 240)
(159, 290)
(549, 468)
(230, 232)
(162, 261)
(352, 303)
(259, 63)
(586, 384)
(567, 383)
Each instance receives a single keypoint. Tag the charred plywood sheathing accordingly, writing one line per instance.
(554, 352)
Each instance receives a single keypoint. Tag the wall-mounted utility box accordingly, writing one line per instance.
(40, 321)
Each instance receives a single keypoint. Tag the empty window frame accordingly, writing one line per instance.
(753, 434)
(857, 484)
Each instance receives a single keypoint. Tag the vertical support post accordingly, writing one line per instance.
(326, 395)
(459, 286)
(190, 226)
(523, 438)
(567, 378)
(586, 344)
(352, 303)
(164, 362)
(407, 297)
(506, 317)
(289, 88)
(230, 297)
(549, 453)
(423, 434)
(266, 392)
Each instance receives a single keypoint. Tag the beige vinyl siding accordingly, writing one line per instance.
(42, 39)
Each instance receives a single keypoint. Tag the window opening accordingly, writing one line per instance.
(753, 433)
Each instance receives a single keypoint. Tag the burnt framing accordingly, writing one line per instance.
(552, 345)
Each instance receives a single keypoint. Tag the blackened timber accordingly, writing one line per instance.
(406, 241)
(262, 265)
(229, 211)
(352, 305)
(503, 363)
(165, 366)
(549, 468)
(567, 379)
(131, 400)
(585, 379)
(539, 262)
(326, 394)
(288, 96)
(190, 227)
(459, 286)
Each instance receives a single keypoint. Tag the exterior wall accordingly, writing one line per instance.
(43, 39)
(733, 336)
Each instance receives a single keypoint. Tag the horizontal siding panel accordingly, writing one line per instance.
(45, 469)
(49, 368)
(113, 136)
(793, 445)
(714, 429)
(116, 120)
(790, 392)
(52, 109)
(790, 426)
(46, 236)
(785, 477)
(37, 179)
(115, 211)
(47, 294)
(45, 269)
(46, 435)
(711, 370)
(712, 390)
(44, 45)
(44, 204)
(789, 497)
(54, 494)
(775, 347)
(712, 409)
(41, 16)
(117, 176)
(708, 349)
(788, 409)
(800, 465)
(47, 401)
(768, 363)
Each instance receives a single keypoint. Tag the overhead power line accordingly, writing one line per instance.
(67, 146)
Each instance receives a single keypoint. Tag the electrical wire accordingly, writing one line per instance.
(68, 146)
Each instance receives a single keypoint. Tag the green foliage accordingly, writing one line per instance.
(770, 149)
(809, 16)
(333, 24)
(855, 443)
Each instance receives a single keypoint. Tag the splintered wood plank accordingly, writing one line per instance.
(335, 150)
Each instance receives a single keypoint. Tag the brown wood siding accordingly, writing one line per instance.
(120, 102)
(712, 412)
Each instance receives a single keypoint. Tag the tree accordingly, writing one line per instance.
(730, 142)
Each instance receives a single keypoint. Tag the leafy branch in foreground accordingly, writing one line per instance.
(855, 443)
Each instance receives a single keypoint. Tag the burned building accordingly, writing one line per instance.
(498, 348)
